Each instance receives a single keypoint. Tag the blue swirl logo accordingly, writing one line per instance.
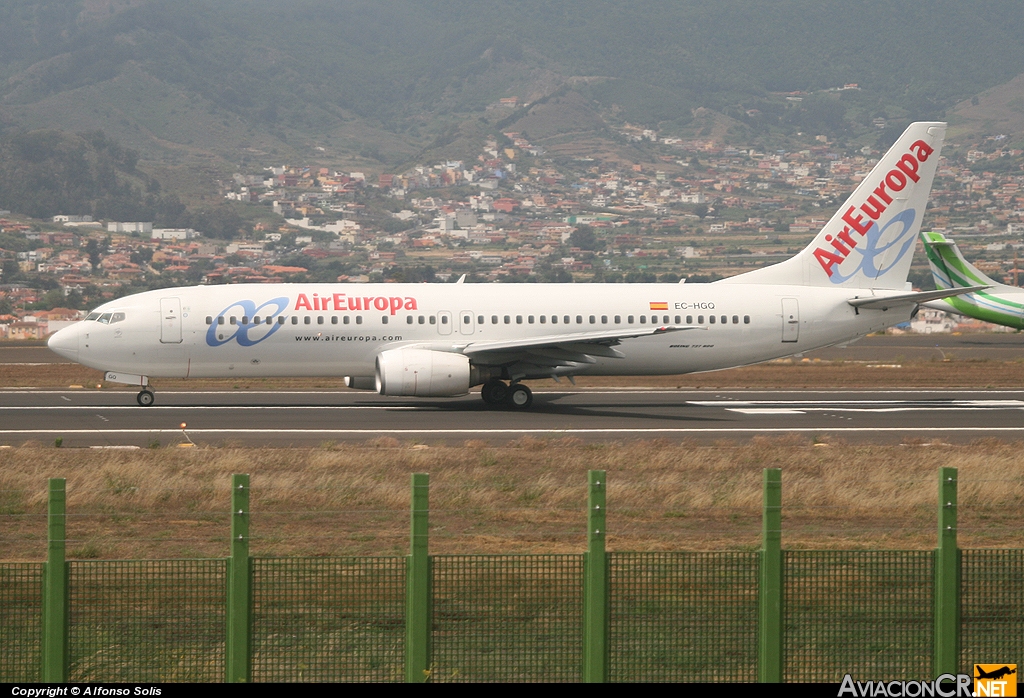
(882, 248)
(247, 333)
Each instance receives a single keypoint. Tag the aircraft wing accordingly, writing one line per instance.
(559, 353)
(886, 302)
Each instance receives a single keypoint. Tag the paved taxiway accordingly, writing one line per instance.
(299, 418)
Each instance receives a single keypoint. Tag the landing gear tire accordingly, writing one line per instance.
(494, 392)
(519, 397)
(145, 398)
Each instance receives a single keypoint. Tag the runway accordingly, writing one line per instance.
(108, 418)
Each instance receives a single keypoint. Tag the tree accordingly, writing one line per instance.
(701, 211)
(584, 238)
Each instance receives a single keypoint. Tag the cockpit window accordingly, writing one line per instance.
(105, 318)
(116, 317)
(93, 316)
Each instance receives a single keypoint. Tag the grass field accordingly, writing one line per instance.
(525, 496)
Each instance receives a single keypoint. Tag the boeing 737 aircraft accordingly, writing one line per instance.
(1001, 304)
(434, 340)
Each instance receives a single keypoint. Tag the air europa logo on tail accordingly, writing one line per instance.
(862, 221)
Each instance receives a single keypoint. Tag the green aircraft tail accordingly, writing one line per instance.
(1001, 304)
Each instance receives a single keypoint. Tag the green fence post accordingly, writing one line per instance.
(417, 585)
(238, 659)
(55, 588)
(947, 578)
(595, 584)
(769, 628)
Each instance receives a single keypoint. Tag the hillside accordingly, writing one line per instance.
(374, 84)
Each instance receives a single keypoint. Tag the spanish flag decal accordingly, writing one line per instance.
(659, 306)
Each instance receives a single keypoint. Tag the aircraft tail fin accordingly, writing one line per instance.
(869, 242)
(949, 268)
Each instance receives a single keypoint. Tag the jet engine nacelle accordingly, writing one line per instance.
(422, 373)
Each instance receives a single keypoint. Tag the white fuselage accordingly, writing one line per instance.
(327, 330)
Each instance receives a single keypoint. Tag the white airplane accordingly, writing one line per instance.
(436, 340)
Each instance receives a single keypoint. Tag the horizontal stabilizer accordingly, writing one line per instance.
(886, 302)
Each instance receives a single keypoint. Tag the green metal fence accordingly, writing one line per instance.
(146, 620)
(683, 616)
(864, 613)
(21, 609)
(768, 615)
(329, 619)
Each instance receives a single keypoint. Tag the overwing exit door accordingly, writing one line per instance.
(790, 319)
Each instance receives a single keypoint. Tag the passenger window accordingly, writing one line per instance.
(280, 320)
(700, 319)
(433, 320)
(689, 319)
(295, 319)
(618, 319)
(466, 320)
(232, 320)
(643, 319)
(711, 319)
(209, 320)
(444, 319)
(519, 319)
(566, 319)
(543, 319)
(479, 319)
(494, 319)
(664, 320)
(604, 319)
(593, 320)
(508, 320)
(220, 319)
(334, 319)
(679, 320)
(320, 319)
(359, 319)
(735, 319)
(256, 320)
(245, 319)
(530, 320)
(307, 320)
(629, 320)
(579, 319)
(420, 320)
(725, 320)
(746, 319)
(383, 319)
(554, 319)
(346, 319)
(408, 319)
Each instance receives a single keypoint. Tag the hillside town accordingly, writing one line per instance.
(696, 209)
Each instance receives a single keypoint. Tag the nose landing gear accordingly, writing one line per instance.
(145, 398)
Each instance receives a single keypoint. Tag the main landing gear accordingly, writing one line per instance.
(516, 396)
(145, 398)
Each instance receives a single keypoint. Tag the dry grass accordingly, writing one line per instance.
(526, 496)
(788, 373)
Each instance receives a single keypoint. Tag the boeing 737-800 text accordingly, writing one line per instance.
(434, 340)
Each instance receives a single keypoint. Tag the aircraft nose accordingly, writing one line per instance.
(65, 342)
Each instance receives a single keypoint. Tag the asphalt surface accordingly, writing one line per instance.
(299, 418)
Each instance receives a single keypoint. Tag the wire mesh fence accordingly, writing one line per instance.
(146, 620)
(683, 616)
(329, 619)
(21, 605)
(991, 607)
(507, 617)
(864, 613)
